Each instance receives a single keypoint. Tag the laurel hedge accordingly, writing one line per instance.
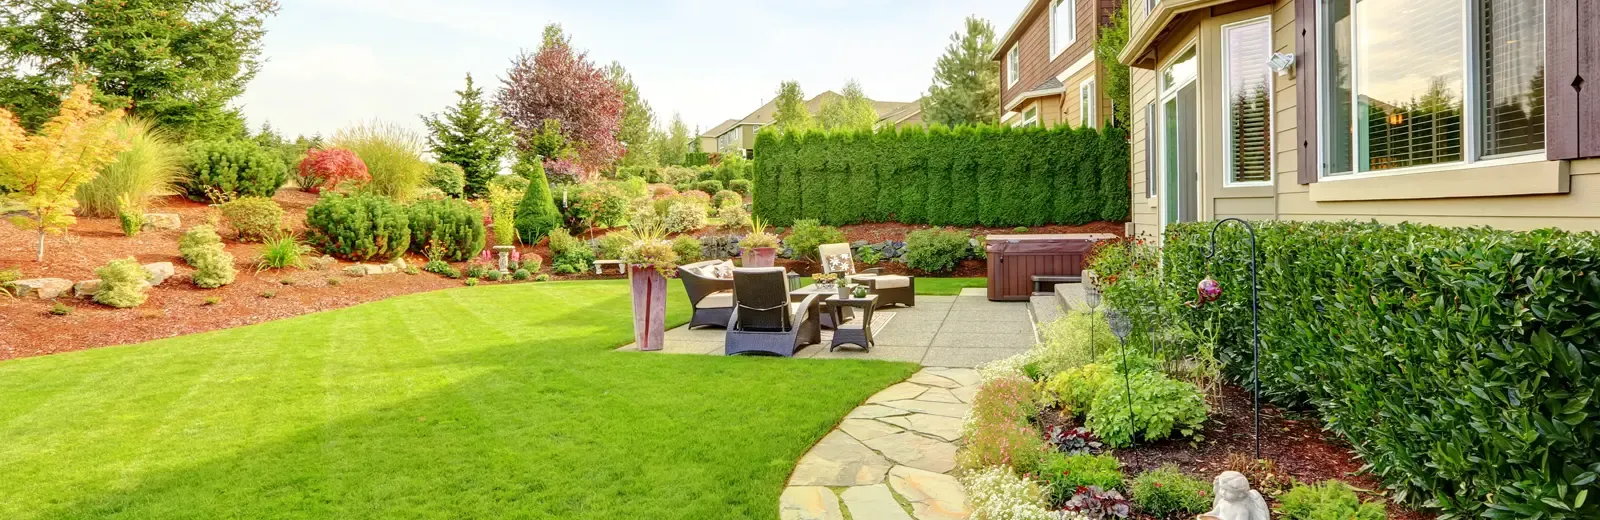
(967, 176)
(1462, 364)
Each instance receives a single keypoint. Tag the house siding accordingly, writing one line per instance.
(1037, 65)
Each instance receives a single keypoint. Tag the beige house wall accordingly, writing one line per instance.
(1526, 194)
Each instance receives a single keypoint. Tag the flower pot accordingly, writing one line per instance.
(760, 256)
(649, 307)
(844, 289)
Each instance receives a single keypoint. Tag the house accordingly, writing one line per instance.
(1429, 111)
(908, 115)
(740, 134)
(1048, 69)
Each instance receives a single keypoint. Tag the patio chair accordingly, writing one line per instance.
(765, 320)
(891, 288)
(710, 288)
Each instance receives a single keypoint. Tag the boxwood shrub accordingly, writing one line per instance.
(223, 170)
(937, 250)
(358, 227)
(1462, 364)
(455, 225)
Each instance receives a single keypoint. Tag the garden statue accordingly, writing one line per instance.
(1235, 500)
(504, 253)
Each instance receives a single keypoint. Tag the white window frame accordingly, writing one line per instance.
(1227, 109)
(1168, 93)
(1027, 120)
(1471, 90)
(1058, 48)
(1013, 65)
(1152, 159)
(1086, 104)
(1150, 6)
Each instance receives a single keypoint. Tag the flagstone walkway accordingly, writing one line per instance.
(891, 458)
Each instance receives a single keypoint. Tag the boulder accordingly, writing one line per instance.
(371, 269)
(86, 288)
(159, 272)
(162, 221)
(321, 262)
(41, 288)
(399, 263)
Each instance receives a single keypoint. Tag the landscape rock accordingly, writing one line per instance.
(86, 288)
(916, 451)
(159, 272)
(162, 221)
(41, 288)
(874, 502)
(809, 503)
(839, 461)
(371, 269)
(897, 392)
(956, 410)
(322, 262)
(399, 264)
(933, 496)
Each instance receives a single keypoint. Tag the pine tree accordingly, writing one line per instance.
(536, 215)
(470, 135)
(966, 83)
(637, 119)
(673, 143)
(851, 111)
(792, 115)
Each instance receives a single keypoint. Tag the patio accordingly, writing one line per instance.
(940, 331)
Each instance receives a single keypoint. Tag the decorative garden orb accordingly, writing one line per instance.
(1208, 290)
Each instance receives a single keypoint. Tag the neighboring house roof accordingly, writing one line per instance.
(1048, 87)
(717, 131)
(1004, 43)
(904, 112)
(764, 115)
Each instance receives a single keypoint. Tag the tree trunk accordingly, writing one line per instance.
(40, 258)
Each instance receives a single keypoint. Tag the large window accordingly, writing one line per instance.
(1423, 82)
(1247, 101)
(1063, 25)
(1013, 66)
(1086, 103)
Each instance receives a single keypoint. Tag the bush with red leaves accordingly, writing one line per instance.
(325, 170)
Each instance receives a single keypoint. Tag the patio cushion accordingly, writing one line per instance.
(723, 269)
(716, 300)
(890, 281)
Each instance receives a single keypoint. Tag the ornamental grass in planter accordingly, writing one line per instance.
(650, 258)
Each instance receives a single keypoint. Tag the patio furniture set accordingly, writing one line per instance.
(765, 310)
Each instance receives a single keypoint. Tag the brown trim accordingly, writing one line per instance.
(1572, 62)
(1305, 19)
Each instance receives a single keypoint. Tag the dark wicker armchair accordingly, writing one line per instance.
(765, 320)
(710, 296)
(891, 288)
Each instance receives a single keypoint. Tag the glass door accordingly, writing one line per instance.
(1180, 187)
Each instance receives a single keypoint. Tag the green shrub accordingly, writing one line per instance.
(688, 248)
(1067, 342)
(220, 171)
(503, 210)
(1161, 407)
(202, 249)
(741, 186)
(441, 268)
(454, 227)
(936, 250)
(123, 284)
(733, 217)
(60, 309)
(151, 166)
(253, 219)
(448, 177)
(676, 175)
(197, 238)
(1328, 500)
(494, 275)
(130, 217)
(282, 253)
(393, 155)
(998, 430)
(1066, 473)
(542, 278)
(596, 204)
(684, 215)
(358, 227)
(610, 246)
(521, 275)
(807, 235)
(536, 215)
(709, 186)
(1168, 493)
(470, 282)
(568, 254)
(1439, 331)
(511, 182)
(725, 198)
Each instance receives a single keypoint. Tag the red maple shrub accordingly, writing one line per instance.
(325, 170)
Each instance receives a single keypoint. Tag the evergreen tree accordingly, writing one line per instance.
(1108, 44)
(470, 135)
(536, 215)
(966, 83)
(673, 143)
(792, 115)
(637, 119)
(851, 111)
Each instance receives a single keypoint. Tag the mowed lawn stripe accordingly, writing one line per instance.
(489, 402)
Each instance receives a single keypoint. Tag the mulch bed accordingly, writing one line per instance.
(1294, 440)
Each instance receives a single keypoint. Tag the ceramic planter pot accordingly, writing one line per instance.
(649, 307)
(760, 256)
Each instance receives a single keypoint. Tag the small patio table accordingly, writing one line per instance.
(858, 333)
(830, 319)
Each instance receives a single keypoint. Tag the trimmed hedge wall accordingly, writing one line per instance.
(990, 176)
(1462, 364)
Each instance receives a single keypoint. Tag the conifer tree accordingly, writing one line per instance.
(470, 135)
(536, 215)
(966, 83)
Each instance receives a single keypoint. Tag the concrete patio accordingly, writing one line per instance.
(941, 331)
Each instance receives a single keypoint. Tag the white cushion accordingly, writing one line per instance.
(890, 281)
(716, 300)
(795, 307)
(723, 269)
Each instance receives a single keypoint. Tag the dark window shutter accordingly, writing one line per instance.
(1572, 87)
(1305, 65)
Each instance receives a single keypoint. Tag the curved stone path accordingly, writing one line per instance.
(890, 458)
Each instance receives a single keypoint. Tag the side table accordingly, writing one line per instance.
(855, 332)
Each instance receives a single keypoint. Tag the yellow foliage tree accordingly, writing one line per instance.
(43, 171)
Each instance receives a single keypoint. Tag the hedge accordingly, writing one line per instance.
(1462, 364)
(988, 175)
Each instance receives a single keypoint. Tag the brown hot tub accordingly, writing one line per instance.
(1023, 265)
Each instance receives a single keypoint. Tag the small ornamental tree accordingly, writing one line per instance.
(562, 84)
(537, 214)
(325, 170)
(41, 173)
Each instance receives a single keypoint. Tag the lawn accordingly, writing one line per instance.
(488, 402)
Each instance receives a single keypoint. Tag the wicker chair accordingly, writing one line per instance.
(891, 288)
(765, 320)
(710, 296)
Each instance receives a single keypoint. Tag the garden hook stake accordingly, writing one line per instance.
(1214, 290)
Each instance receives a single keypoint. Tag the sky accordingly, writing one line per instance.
(330, 63)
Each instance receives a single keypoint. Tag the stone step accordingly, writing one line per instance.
(1070, 296)
(1045, 309)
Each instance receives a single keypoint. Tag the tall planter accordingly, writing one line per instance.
(649, 307)
(760, 256)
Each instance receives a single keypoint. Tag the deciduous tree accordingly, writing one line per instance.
(850, 111)
(561, 84)
(177, 62)
(792, 114)
(42, 172)
(470, 135)
(966, 83)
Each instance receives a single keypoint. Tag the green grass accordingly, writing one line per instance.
(501, 401)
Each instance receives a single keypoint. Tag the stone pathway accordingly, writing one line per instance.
(891, 457)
